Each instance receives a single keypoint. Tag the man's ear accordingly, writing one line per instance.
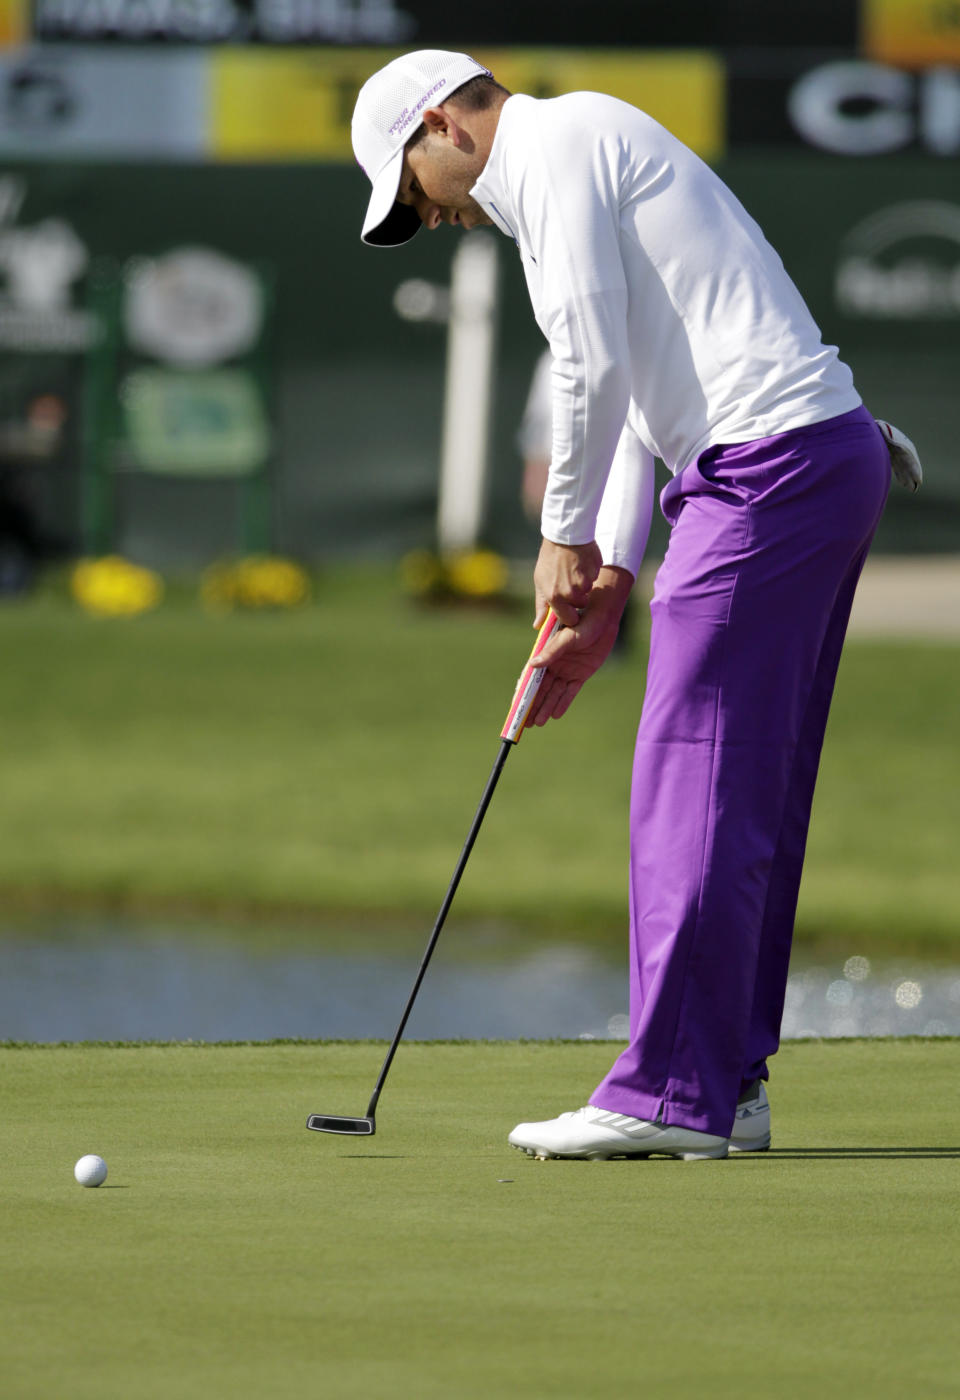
(439, 122)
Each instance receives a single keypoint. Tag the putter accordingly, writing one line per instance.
(523, 697)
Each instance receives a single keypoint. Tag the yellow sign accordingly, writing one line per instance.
(14, 22)
(296, 106)
(911, 33)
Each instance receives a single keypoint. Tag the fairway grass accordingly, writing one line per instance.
(328, 761)
(233, 1254)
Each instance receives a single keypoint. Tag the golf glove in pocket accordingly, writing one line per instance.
(904, 462)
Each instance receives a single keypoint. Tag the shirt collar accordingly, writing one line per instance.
(491, 191)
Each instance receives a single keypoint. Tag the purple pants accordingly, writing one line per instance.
(748, 618)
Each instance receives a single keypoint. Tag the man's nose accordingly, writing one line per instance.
(429, 213)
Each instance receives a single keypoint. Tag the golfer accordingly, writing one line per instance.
(675, 333)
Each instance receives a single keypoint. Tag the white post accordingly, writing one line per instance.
(468, 393)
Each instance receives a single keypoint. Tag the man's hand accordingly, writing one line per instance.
(563, 578)
(574, 653)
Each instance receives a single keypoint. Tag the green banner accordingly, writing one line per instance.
(195, 423)
(359, 391)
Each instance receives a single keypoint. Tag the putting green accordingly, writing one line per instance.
(233, 1254)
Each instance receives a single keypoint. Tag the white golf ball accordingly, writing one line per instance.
(91, 1170)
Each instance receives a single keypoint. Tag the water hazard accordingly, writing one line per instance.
(68, 981)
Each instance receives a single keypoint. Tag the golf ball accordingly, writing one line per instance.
(91, 1170)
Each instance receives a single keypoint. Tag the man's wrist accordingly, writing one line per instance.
(615, 579)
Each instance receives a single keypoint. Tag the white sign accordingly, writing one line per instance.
(39, 263)
(223, 21)
(855, 108)
(192, 307)
(902, 263)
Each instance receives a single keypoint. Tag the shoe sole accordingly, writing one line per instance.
(761, 1145)
(543, 1155)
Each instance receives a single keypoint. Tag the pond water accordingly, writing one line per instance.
(69, 981)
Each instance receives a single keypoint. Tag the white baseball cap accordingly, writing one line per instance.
(388, 112)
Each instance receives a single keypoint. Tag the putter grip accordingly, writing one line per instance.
(529, 683)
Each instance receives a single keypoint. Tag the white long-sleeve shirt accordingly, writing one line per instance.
(672, 323)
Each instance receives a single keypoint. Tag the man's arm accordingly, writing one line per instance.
(569, 208)
(571, 215)
(566, 573)
(598, 576)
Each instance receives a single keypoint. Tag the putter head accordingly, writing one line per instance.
(352, 1127)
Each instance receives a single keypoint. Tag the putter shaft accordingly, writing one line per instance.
(524, 694)
(505, 746)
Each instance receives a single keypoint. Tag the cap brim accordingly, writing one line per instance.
(388, 223)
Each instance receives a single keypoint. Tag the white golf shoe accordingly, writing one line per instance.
(596, 1134)
(751, 1127)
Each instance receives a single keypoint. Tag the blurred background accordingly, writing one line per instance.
(241, 456)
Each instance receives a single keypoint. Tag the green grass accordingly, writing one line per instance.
(232, 1254)
(330, 761)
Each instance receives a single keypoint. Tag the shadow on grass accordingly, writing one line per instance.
(787, 1154)
(907, 1154)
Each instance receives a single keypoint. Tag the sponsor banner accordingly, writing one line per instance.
(844, 106)
(297, 106)
(437, 24)
(96, 104)
(241, 104)
(911, 32)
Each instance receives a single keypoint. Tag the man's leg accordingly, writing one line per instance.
(784, 886)
(763, 539)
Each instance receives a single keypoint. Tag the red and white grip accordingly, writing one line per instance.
(529, 683)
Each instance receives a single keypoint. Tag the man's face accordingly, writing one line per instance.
(438, 175)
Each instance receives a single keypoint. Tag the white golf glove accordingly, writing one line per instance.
(904, 462)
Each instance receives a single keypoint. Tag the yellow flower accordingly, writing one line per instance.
(421, 572)
(259, 581)
(113, 587)
(477, 573)
(472, 573)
